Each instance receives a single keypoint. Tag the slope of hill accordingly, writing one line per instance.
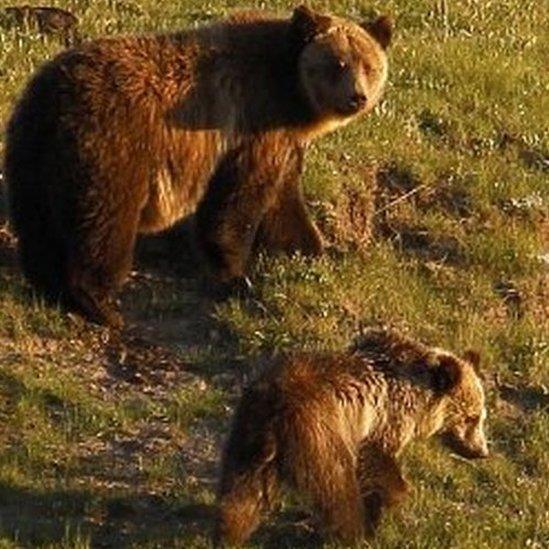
(112, 441)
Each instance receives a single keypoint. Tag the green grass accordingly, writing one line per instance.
(116, 442)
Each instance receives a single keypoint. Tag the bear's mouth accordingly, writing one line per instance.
(352, 107)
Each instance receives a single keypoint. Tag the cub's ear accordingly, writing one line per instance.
(307, 23)
(381, 29)
(473, 357)
(446, 375)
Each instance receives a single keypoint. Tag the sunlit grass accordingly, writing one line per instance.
(464, 121)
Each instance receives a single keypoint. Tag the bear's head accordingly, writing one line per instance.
(461, 409)
(342, 65)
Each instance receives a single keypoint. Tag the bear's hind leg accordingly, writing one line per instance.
(340, 505)
(92, 300)
(323, 467)
(99, 260)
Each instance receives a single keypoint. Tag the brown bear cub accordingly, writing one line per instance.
(128, 135)
(332, 427)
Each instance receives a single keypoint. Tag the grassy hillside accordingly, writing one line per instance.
(113, 441)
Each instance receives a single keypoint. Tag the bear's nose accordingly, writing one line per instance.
(358, 100)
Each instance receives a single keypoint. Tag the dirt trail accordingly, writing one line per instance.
(168, 323)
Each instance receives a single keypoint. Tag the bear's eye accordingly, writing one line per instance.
(338, 67)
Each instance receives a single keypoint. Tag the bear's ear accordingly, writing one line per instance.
(473, 357)
(307, 24)
(446, 375)
(381, 29)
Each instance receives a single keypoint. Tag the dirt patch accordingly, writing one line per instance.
(167, 318)
(371, 210)
(116, 462)
(398, 185)
(131, 360)
(395, 180)
(131, 501)
(526, 399)
(450, 197)
(347, 223)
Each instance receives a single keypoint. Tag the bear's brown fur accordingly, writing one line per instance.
(128, 135)
(332, 427)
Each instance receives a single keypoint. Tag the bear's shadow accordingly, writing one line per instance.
(131, 520)
(170, 253)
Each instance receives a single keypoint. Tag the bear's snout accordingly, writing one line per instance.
(466, 449)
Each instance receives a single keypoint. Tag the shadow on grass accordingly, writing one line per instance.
(31, 518)
(170, 313)
(34, 518)
(291, 528)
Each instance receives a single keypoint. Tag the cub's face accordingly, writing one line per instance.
(465, 409)
(343, 66)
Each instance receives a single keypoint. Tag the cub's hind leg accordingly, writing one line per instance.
(249, 483)
(322, 465)
(243, 500)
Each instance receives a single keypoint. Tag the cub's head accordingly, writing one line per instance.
(461, 412)
(342, 65)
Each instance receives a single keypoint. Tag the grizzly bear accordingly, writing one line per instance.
(332, 427)
(128, 135)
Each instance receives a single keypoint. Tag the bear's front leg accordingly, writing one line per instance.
(287, 226)
(381, 481)
(242, 190)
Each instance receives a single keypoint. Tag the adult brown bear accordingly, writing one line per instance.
(128, 135)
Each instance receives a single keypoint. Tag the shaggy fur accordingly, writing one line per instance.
(333, 426)
(128, 135)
